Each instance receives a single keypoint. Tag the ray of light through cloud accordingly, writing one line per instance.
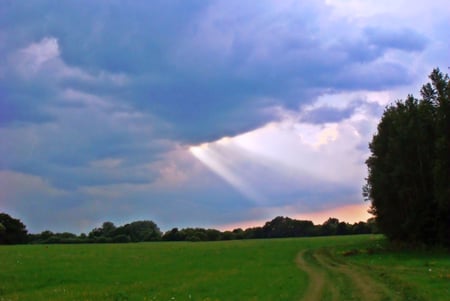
(269, 163)
(222, 165)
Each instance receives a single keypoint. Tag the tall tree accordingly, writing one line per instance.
(408, 181)
(438, 93)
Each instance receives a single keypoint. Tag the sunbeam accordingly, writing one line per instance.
(223, 167)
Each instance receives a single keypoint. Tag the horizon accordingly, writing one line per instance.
(201, 114)
(351, 214)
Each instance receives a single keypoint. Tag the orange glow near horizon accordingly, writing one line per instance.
(347, 213)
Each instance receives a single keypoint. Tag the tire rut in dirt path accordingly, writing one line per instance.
(316, 277)
(324, 271)
(363, 286)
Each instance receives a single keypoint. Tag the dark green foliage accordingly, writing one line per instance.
(255, 232)
(108, 229)
(438, 93)
(134, 232)
(330, 227)
(408, 182)
(12, 231)
(359, 228)
(48, 237)
(173, 235)
(121, 238)
(192, 234)
(279, 227)
(287, 227)
(140, 231)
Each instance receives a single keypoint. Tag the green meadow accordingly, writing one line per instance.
(323, 268)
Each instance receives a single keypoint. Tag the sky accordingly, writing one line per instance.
(215, 114)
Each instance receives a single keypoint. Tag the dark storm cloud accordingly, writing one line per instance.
(402, 39)
(199, 65)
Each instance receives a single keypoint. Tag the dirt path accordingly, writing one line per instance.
(335, 279)
(316, 277)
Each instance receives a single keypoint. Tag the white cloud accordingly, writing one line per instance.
(43, 59)
(37, 54)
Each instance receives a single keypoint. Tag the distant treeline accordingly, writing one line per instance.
(279, 227)
(13, 231)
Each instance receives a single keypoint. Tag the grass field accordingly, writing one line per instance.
(325, 268)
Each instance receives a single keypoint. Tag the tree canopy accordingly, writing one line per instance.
(12, 230)
(409, 167)
(134, 232)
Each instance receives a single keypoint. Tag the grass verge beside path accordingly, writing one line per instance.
(411, 274)
(371, 271)
(331, 278)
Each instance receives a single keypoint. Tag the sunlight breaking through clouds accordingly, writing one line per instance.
(223, 166)
(291, 155)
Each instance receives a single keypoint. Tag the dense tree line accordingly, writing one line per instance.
(138, 231)
(409, 168)
(13, 231)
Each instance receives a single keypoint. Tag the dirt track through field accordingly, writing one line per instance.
(335, 279)
(316, 278)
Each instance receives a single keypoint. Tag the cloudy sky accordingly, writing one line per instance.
(201, 113)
